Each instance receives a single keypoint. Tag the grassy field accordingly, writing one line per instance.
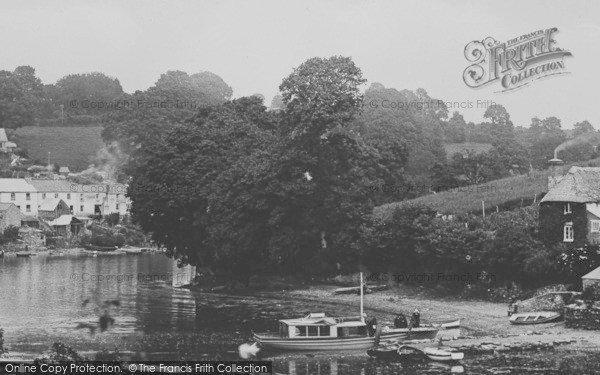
(504, 194)
(73, 147)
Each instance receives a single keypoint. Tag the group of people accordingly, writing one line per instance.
(401, 322)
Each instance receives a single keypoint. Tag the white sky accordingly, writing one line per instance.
(252, 45)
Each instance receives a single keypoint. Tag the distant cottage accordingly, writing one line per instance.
(5, 145)
(570, 211)
(9, 215)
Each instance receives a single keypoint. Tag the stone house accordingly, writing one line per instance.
(9, 215)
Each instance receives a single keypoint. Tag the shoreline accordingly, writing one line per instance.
(486, 323)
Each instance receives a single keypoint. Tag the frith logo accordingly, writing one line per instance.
(515, 63)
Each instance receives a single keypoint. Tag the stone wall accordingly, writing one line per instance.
(581, 317)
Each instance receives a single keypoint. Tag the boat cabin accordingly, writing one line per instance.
(319, 325)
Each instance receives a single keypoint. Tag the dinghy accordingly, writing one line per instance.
(534, 317)
(436, 354)
(451, 325)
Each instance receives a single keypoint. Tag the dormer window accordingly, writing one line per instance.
(567, 209)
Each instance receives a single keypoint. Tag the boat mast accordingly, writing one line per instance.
(362, 318)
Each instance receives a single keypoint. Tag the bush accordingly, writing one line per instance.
(104, 241)
(2, 348)
(119, 239)
(84, 240)
(112, 219)
(11, 234)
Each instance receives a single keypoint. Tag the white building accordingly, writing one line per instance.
(83, 200)
(21, 193)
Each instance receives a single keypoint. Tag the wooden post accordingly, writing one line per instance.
(361, 298)
(483, 208)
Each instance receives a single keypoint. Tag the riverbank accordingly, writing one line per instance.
(485, 325)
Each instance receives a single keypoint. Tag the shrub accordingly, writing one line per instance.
(119, 239)
(105, 241)
(84, 240)
(11, 234)
(2, 348)
(112, 219)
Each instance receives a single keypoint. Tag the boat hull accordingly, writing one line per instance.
(342, 343)
(534, 317)
(451, 325)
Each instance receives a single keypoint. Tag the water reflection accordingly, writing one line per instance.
(357, 364)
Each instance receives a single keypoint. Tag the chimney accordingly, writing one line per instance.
(556, 171)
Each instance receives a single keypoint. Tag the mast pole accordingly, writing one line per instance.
(362, 318)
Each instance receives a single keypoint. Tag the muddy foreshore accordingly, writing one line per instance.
(486, 328)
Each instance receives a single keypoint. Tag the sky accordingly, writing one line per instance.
(254, 44)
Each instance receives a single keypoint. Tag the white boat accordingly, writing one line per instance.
(450, 325)
(132, 250)
(316, 332)
(436, 354)
(534, 317)
(319, 332)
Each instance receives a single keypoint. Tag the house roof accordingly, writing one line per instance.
(595, 274)
(6, 206)
(579, 185)
(63, 170)
(15, 185)
(52, 186)
(3, 137)
(61, 221)
(50, 204)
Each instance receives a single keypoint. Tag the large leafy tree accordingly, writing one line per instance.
(146, 117)
(243, 190)
(20, 96)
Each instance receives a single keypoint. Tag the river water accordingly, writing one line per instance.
(47, 298)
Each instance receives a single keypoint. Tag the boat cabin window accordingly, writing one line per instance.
(313, 331)
(351, 331)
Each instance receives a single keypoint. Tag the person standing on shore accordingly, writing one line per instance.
(415, 319)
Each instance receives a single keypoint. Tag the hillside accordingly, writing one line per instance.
(73, 147)
(506, 193)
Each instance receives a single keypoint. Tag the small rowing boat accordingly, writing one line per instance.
(132, 250)
(24, 254)
(534, 317)
(437, 354)
(450, 325)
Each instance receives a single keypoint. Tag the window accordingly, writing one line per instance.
(12, 196)
(313, 331)
(81, 208)
(28, 208)
(567, 208)
(81, 197)
(324, 331)
(43, 195)
(55, 195)
(117, 206)
(300, 331)
(28, 196)
(595, 226)
(568, 232)
(71, 208)
(97, 195)
(68, 195)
